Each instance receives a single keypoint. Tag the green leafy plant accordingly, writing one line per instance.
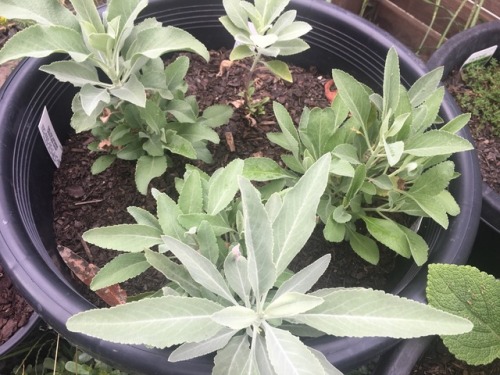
(387, 160)
(260, 29)
(482, 92)
(243, 312)
(466, 291)
(135, 107)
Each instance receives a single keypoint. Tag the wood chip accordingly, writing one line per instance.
(230, 141)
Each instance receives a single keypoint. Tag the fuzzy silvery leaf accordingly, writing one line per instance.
(394, 151)
(173, 272)
(162, 322)
(294, 31)
(202, 270)
(341, 167)
(290, 304)
(132, 91)
(340, 215)
(290, 161)
(264, 169)
(347, 153)
(218, 223)
(391, 83)
(80, 122)
(289, 131)
(147, 168)
(168, 212)
(474, 295)
(258, 240)
(425, 86)
(86, 11)
(207, 242)
(102, 163)
(179, 145)
(155, 42)
(283, 21)
(91, 96)
(240, 52)
(290, 47)
(449, 203)
(49, 12)
(289, 355)
(431, 206)
(454, 125)
(418, 247)
(236, 317)
(124, 237)
(40, 41)
(263, 362)
(279, 69)
(120, 269)
(356, 183)
(436, 142)
(78, 74)
(440, 175)
(399, 122)
(193, 350)
(327, 366)
(297, 218)
(126, 10)
(231, 27)
(353, 95)
(232, 359)
(432, 105)
(191, 197)
(273, 206)
(334, 231)
(143, 217)
(181, 110)
(236, 272)
(270, 9)
(223, 186)
(195, 132)
(319, 136)
(236, 13)
(359, 312)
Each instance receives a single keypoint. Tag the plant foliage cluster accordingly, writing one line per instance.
(224, 246)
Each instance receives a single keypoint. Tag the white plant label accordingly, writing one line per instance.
(50, 139)
(483, 55)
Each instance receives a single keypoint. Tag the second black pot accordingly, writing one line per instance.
(339, 40)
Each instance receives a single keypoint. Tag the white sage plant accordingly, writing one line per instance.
(134, 106)
(390, 161)
(243, 312)
(263, 30)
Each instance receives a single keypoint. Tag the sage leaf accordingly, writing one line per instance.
(232, 359)
(132, 91)
(236, 272)
(236, 13)
(78, 74)
(163, 322)
(364, 246)
(207, 242)
(235, 317)
(279, 69)
(359, 312)
(119, 269)
(474, 295)
(327, 366)
(86, 11)
(223, 186)
(425, 86)
(456, 124)
(127, 11)
(91, 96)
(437, 142)
(291, 303)
(168, 213)
(353, 95)
(147, 168)
(143, 217)
(124, 237)
(388, 233)
(102, 163)
(216, 115)
(264, 169)
(263, 362)
(296, 30)
(191, 196)
(391, 83)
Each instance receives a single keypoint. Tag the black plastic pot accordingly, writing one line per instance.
(339, 39)
(452, 55)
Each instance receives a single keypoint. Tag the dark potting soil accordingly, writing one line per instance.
(487, 144)
(14, 310)
(83, 201)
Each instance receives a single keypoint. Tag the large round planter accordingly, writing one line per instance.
(451, 55)
(339, 39)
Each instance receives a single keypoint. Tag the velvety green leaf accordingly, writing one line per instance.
(181, 110)
(340, 215)
(289, 304)
(143, 217)
(263, 169)
(341, 167)
(87, 11)
(289, 355)
(191, 196)
(126, 10)
(449, 203)
(440, 175)
(334, 231)
(263, 362)
(431, 206)
(305, 279)
(192, 350)
(293, 31)
(240, 52)
(270, 10)
(474, 295)
(359, 312)
(216, 115)
(394, 152)
(418, 247)
(153, 116)
(90, 97)
(283, 21)
(236, 13)
(132, 91)
(327, 366)
(388, 233)
(158, 322)
(40, 41)
(424, 86)
(207, 242)
(78, 74)
(297, 218)
(124, 237)
(217, 222)
(364, 246)
(102, 163)
(155, 42)
(180, 145)
(49, 12)
(346, 152)
(147, 168)
(437, 142)
(258, 240)
(168, 213)
(454, 125)
(223, 186)
(432, 105)
(80, 122)
(200, 268)
(356, 184)
(291, 47)
(120, 269)
(279, 69)
(173, 272)
(236, 317)
(287, 127)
